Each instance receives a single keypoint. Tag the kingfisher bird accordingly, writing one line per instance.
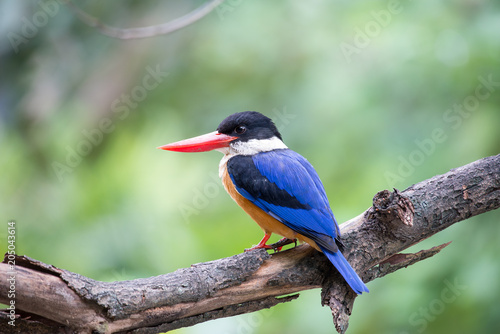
(276, 186)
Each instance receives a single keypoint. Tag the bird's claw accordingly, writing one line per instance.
(277, 246)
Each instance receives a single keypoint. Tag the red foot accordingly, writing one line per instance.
(262, 244)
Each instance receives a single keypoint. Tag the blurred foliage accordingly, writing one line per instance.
(370, 92)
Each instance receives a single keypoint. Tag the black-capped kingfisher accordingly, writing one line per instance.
(276, 186)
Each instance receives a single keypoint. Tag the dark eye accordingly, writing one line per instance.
(240, 129)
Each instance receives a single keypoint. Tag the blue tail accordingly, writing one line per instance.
(345, 269)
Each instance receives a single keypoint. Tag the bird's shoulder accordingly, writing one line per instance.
(260, 183)
(277, 166)
(278, 172)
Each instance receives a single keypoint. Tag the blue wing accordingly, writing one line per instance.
(285, 185)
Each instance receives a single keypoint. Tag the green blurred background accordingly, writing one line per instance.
(376, 94)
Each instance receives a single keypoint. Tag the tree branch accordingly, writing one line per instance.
(144, 32)
(254, 280)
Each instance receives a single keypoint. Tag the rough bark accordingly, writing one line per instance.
(52, 300)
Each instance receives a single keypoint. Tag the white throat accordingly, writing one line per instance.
(251, 147)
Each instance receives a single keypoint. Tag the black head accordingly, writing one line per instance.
(248, 125)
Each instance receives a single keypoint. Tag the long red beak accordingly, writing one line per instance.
(203, 143)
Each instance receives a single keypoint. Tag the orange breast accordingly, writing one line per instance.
(266, 222)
